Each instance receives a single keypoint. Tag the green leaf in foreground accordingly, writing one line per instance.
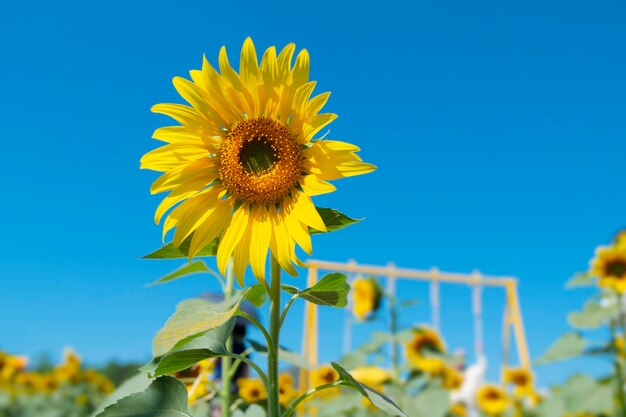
(433, 401)
(165, 397)
(332, 290)
(593, 315)
(256, 295)
(191, 319)
(187, 269)
(333, 219)
(380, 401)
(209, 345)
(132, 385)
(567, 346)
(169, 251)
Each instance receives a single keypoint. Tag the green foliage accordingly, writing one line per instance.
(185, 270)
(567, 346)
(593, 315)
(333, 219)
(379, 400)
(256, 295)
(284, 355)
(137, 383)
(433, 401)
(209, 345)
(582, 279)
(165, 397)
(332, 290)
(169, 251)
(191, 319)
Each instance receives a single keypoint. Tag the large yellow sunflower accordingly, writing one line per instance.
(421, 351)
(244, 162)
(609, 265)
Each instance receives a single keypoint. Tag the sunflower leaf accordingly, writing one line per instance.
(582, 279)
(211, 344)
(132, 385)
(257, 295)
(593, 315)
(169, 251)
(378, 400)
(165, 397)
(192, 319)
(332, 290)
(567, 346)
(187, 269)
(333, 219)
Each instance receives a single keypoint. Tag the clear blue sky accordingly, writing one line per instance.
(498, 128)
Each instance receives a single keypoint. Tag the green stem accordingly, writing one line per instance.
(254, 366)
(619, 373)
(393, 329)
(287, 307)
(307, 394)
(235, 365)
(226, 361)
(259, 326)
(272, 354)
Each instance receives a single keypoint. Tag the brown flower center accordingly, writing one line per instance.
(260, 161)
(616, 268)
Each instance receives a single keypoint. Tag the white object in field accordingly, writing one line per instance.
(473, 379)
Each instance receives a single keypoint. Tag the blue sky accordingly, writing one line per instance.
(498, 129)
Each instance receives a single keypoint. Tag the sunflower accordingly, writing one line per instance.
(451, 378)
(366, 296)
(244, 162)
(521, 378)
(419, 351)
(286, 391)
(458, 410)
(251, 390)
(372, 376)
(492, 400)
(609, 265)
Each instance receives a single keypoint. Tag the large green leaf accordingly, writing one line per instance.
(132, 385)
(187, 269)
(331, 290)
(191, 319)
(253, 410)
(333, 219)
(209, 345)
(593, 315)
(567, 346)
(431, 402)
(582, 393)
(256, 295)
(169, 251)
(165, 397)
(379, 400)
(552, 406)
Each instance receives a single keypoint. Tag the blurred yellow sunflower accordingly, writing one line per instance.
(451, 378)
(366, 296)
(244, 162)
(251, 390)
(458, 410)
(609, 265)
(372, 376)
(521, 379)
(492, 400)
(420, 351)
(286, 390)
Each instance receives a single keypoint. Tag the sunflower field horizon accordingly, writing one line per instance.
(490, 139)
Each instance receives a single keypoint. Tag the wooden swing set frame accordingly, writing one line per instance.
(512, 311)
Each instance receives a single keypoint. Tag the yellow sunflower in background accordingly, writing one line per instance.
(609, 265)
(286, 390)
(451, 378)
(420, 351)
(372, 376)
(521, 379)
(251, 390)
(244, 163)
(366, 295)
(458, 410)
(492, 400)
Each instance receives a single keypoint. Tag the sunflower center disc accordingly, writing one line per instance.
(260, 161)
(616, 269)
(258, 156)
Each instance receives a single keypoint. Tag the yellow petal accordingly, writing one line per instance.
(300, 73)
(191, 213)
(242, 255)
(232, 236)
(281, 242)
(212, 227)
(284, 62)
(317, 124)
(314, 186)
(260, 241)
(297, 230)
(184, 115)
(305, 210)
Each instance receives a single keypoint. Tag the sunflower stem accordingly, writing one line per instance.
(310, 392)
(227, 361)
(272, 357)
(393, 329)
(619, 373)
